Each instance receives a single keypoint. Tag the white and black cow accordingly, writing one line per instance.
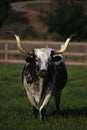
(44, 75)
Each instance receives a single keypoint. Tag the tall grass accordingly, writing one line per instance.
(16, 112)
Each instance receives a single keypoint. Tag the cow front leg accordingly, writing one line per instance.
(42, 114)
(32, 100)
(42, 109)
(57, 102)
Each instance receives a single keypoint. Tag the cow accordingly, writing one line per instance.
(44, 75)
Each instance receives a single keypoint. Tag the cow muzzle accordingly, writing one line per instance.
(43, 73)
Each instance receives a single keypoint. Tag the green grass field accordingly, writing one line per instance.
(16, 112)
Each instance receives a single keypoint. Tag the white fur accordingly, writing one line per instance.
(33, 95)
(43, 54)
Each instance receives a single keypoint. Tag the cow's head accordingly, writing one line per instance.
(42, 59)
(43, 56)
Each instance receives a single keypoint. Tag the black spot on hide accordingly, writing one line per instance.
(29, 73)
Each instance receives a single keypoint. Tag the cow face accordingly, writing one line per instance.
(43, 56)
(42, 59)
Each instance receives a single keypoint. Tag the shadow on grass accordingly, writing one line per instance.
(69, 112)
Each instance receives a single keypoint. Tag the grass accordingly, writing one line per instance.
(16, 112)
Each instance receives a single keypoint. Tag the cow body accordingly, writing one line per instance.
(43, 76)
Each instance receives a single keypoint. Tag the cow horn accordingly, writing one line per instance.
(22, 50)
(64, 47)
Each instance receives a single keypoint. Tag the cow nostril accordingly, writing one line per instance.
(43, 73)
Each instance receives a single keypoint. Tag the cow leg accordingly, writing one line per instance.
(32, 100)
(35, 111)
(42, 114)
(57, 102)
(43, 106)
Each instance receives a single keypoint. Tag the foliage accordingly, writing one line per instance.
(66, 20)
(16, 112)
(4, 9)
(15, 17)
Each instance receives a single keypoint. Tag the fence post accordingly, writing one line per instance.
(86, 54)
(6, 54)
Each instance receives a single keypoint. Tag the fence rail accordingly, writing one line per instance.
(76, 54)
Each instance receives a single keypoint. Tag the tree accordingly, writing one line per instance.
(58, 3)
(67, 19)
(4, 8)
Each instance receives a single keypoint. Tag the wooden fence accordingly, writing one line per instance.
(76, 54)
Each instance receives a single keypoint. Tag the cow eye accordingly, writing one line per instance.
(38, 60)
(29, 59)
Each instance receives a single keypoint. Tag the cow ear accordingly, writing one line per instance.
(29, 59)
(57, 58)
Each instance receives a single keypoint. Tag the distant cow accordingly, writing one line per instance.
(44, 75)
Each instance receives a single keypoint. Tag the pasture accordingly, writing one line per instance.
(16, 112)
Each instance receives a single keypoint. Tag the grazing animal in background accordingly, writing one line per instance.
(44, 75)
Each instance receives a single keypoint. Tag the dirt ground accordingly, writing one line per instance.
(34, 20)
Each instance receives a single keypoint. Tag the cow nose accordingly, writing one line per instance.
(43, 73)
